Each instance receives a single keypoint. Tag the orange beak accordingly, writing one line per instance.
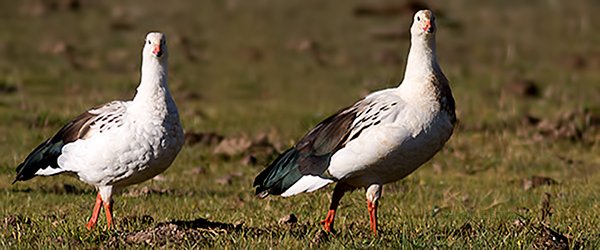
(427, 27)
(156, 51)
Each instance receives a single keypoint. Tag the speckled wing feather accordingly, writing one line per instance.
(43, 159)
(312, 154)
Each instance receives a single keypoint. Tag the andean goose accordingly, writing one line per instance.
(380, 139)
(119, 143)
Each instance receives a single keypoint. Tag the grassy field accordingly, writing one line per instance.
(251, 77)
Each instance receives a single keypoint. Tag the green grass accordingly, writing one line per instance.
(237, 69)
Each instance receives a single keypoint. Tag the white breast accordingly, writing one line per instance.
(136, 151)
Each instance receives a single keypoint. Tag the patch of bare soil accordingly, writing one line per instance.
(175, 232)
(202, 231)
(576, 125)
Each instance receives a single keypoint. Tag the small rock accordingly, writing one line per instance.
(159, 177)
(288, 219)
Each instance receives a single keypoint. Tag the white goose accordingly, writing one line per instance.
(119, 143)
(380, 139)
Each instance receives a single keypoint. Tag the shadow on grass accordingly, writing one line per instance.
(55, 189)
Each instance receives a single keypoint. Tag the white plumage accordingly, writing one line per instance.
(119, 143)
(380, 139)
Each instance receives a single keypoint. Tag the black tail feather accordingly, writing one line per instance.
(43, 156)
(280, 175)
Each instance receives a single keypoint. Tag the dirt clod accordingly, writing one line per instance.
(203, 138)
(550, 239)
(199, 230)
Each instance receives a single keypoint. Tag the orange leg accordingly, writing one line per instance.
(92, 223)
(372, 207)
(328, 221)
(338, 193)
(108, 210)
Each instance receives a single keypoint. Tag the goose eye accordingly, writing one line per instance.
(418, 19)
(148, 41)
